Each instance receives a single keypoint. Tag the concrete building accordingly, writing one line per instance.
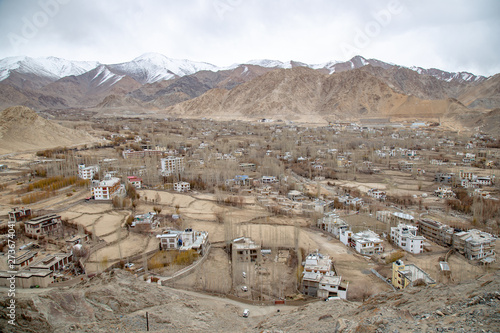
(172, 165)
(319, 279)
(27, 278)
(168, 240)
(332, 223)
(19, 214)
(53, 262)
(437, 232)
(135, 181)
(182, 187)
(405, 237)
(87, 172)
(145, 222)
(43, 225)
(475, 245)
(365, 242)
(244, 249)
(406, 275)
(106, 189)
(188, 239)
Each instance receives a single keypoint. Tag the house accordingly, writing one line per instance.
(168, 240)
(444, 192)
(43, 225)
(365, 242)
(27, 278)
(145, 222)
(23, 258)
(77, 239)
(53, 262)
(182, 187)
(436, 231)
(19, 214)
(475, 245)
(444, 178)
(106, 189)
(247, 166)
(377, 194)
(295, 195)
(188, 239)
(135, 181)
(406, 275)
(319, 279)
(332, 223)
(132, 154)
(405, 237)
(332, 286)
(269, 180)
(244, 249)
(87, 172)
(172, 165)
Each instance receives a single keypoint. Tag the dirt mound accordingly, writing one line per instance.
(23, 129)
(118, 301)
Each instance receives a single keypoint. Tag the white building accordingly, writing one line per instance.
(405, 237)
(182, 187)
(87, 172)
(269, 179)
(135, 181)
(106, 189)
(365, 242)
(171, 165)
(332, 223)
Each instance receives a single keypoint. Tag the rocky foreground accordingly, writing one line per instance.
(117, 301)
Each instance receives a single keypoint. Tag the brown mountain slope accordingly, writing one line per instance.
(23, 129)
(485, 95)
(118, 301)
(297, 92)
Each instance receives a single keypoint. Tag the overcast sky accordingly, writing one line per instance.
(453, 35)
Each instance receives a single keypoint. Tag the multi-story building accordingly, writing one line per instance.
(436, 231)
(365, 242)
(406, 275)
(43, 225)
(332, 223)
(135, 181)
(182, 187)
(106, 189)
(319, 279)
(405, 237)
(87, 172)
(172, 165)
(19, 214)
(475, 245)
(244, 249)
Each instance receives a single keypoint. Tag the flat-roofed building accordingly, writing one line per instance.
(405, 236)
(406, 275)
(475, 244)
(436, 231)
(54, 262)
(87, 172)
(172, 165)
(19, 214)
(365, 242)
(27, 278)
(106, 189)
(43, 225)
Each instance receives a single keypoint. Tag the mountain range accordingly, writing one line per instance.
(352, 89)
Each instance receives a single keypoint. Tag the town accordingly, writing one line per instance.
(270, 212)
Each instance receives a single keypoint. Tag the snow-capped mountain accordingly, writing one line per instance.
(154, 67)
(50, 67)
(448, 77)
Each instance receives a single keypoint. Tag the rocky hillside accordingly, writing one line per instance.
(290, 93)
(23, 129)
(118, 301)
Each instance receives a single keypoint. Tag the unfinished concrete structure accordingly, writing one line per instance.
(475, 245)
